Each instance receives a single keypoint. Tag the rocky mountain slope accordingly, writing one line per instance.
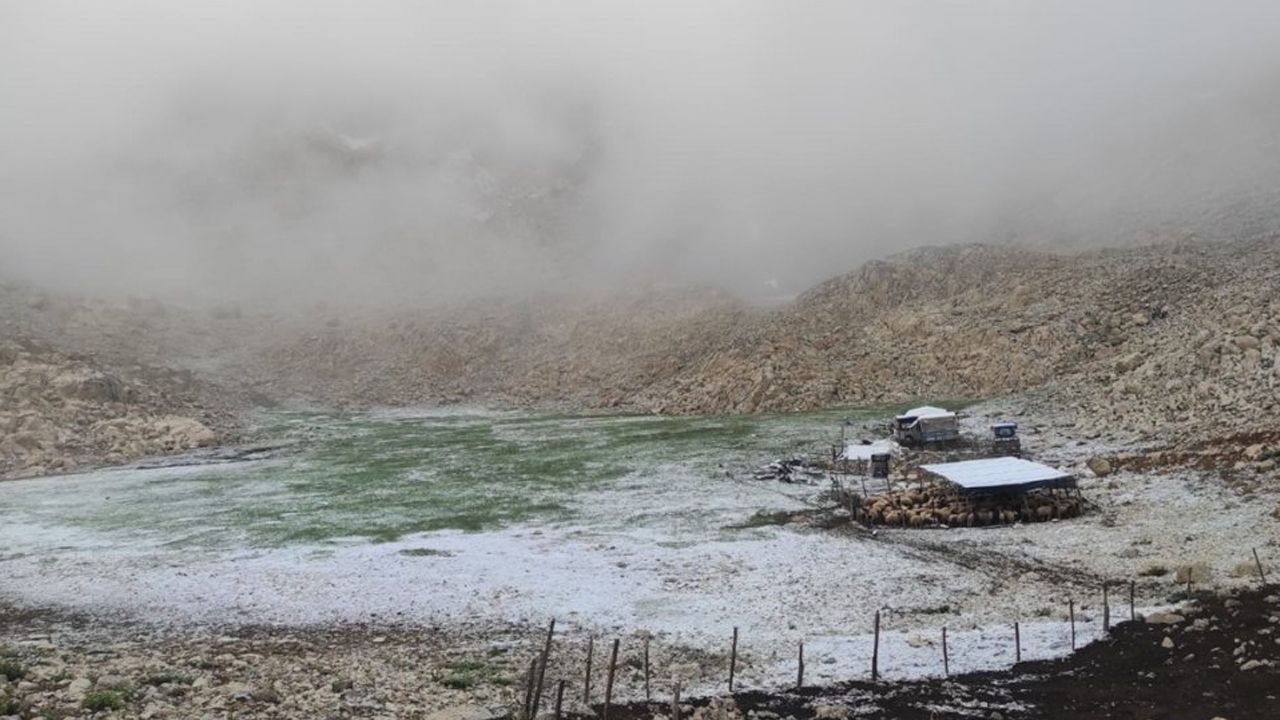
(1164, 337)
(1159, 341)
(59, 412)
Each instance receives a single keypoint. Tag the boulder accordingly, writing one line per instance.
(1099, 466)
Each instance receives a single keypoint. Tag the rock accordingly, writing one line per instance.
(1164, 618)
(831, 711)
(113, 682)
(79, 687)
(1253, 665)
(1167, 643)
(1099, 466)
(1246, 342)
(266, 694)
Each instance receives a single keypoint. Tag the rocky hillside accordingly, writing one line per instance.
(1165, 337)
(1163, 340)
(59, 412)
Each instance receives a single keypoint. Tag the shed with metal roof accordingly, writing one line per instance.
(1000, 474)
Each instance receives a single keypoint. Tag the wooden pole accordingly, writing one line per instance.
(1071, 612)
(528, 685)
(675, 702)
(733, 658)
(1106, 610)
(542, 670)
(1017, 643)
(800, 670)
(1133, 611)
(646, 669)
(946, 662)
(1261, 575)
(875, 651)
(586, 684)
(559, 698)
(608, 684)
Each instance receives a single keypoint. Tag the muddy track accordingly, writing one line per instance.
(984, 559)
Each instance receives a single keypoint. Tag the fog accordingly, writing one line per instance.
(397, 152)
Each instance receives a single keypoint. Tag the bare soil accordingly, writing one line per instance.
(1134, 673)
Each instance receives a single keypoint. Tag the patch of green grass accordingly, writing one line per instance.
(10, 705)
(99, 700)
(458, 680)
(12, 670)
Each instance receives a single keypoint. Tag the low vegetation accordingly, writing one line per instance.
(99, 700)
(12, 670)
(463, 674)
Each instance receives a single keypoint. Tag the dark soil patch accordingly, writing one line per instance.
(1129, 675)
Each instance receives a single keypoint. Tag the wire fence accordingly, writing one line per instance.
(535, 687)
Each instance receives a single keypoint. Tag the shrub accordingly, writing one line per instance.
(103, 700)
(12, 670)
(458, 680)
(9, 705)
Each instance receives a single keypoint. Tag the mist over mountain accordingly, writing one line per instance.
(387, 153)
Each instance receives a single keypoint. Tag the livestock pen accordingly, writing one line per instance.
(989, 491)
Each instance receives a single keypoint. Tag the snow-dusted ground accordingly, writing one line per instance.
(688, 578)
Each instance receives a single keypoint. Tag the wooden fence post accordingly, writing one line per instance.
(1133, 611)
(1071, 612)
(800, 670)
(946, 662)
(733, 658)
(675, 702)
(1261, 575)
(559, 698)
(542, 670)
(528, 685)
(875, 651)
(608, 685)
(1106, 610)
(586, 684)
(1017, 643)
(646, 669)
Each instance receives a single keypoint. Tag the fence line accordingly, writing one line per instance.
(537, 669)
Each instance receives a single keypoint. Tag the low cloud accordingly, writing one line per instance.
(385, 152)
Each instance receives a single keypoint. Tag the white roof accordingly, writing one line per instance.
(926, 411)
(997, 472)
(858, 451)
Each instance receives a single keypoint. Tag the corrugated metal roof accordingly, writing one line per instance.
(926, 411)
(998, 472)
(855, 451)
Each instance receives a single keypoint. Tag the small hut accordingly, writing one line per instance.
(926, 425)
